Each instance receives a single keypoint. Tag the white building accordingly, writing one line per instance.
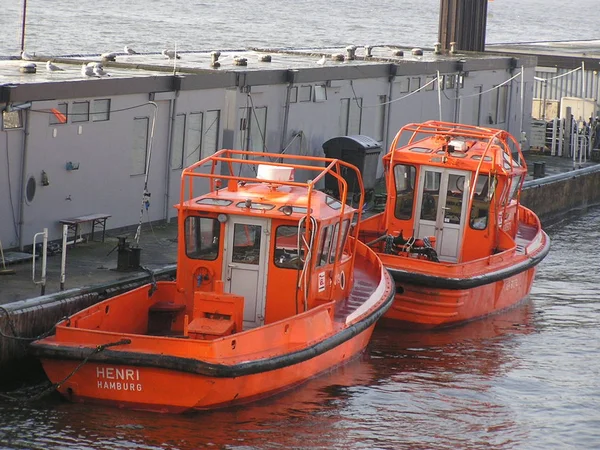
(72, 145)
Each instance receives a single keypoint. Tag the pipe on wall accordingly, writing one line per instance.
(23, 179)
(166, 209)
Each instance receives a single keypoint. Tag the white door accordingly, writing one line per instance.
(246, 253)
(443, 200)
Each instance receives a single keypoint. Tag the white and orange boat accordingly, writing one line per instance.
(272, 288)
(454, 235)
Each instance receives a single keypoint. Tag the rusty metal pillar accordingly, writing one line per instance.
(463, 22)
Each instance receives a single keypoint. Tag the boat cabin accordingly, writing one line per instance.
(261, 248)
(454, 188)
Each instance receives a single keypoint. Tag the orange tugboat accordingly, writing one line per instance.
(454, 235)
(272, 289)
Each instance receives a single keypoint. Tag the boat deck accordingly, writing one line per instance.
(525, 234)
(364, 286)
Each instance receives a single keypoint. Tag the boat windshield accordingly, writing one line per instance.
(202, 237)
(484, 191)
(404, 177)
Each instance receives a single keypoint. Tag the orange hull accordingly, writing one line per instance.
(169, 391)
(423, 308)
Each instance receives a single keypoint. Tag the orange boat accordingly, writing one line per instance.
(454, 235)
(272, 289)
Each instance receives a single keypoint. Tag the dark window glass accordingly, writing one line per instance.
(202, 237)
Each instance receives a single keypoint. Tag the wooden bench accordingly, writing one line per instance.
(96, 220)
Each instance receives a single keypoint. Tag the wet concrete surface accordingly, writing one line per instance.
(89, 263)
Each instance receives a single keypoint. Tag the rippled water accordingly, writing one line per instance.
(526, 379)
(92, 26)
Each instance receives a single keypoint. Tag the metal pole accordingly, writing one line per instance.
(23, 26)
(63, 257)
(439, 94)
(44, 259)
(521, 135)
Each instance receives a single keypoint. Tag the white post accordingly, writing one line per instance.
(561, 136)
(63, 257)
(439, 81)
(523, 107)
(554, 126)
(44, 258)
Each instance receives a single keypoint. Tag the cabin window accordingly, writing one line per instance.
(324, 246)
(336, 252)
(246, 243)
(431, 193)
(454, 198)
(255, 205)
(333, 203)
(286, 247)
(514, 187)
(202, 237)
(484, 191)
(404, 177)
(214, 201)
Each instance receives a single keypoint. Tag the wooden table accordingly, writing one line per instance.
(96, 220)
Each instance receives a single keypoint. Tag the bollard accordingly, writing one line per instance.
(539, 170)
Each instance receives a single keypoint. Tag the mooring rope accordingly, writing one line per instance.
(51, 388)
(26, 339)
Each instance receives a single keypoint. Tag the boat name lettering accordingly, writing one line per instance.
(112, 373)
(511, 284)
(118, 386)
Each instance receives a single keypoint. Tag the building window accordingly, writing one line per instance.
(294, 94)
(12, 120)
(502, 101)
(81, 112)
(493, 114)
(415, 84)
(193, 144)
(210, 137)
(101, 110)
(430, 79)
(449, 81)
(404, 84)
(305, 94)
(140, 145)
(320, 94)
(258, 127)
(350, 116)
(380, 118)
(178, 141)
(59, 115)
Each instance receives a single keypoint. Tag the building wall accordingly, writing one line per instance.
(323, 105)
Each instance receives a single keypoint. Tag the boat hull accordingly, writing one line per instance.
(171, 391)
(419, 307)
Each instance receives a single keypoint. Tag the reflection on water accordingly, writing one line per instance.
(528, 378)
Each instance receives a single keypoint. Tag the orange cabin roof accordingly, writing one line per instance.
(461, 146)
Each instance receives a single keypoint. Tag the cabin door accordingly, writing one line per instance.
(245, 265)
(443, 199)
